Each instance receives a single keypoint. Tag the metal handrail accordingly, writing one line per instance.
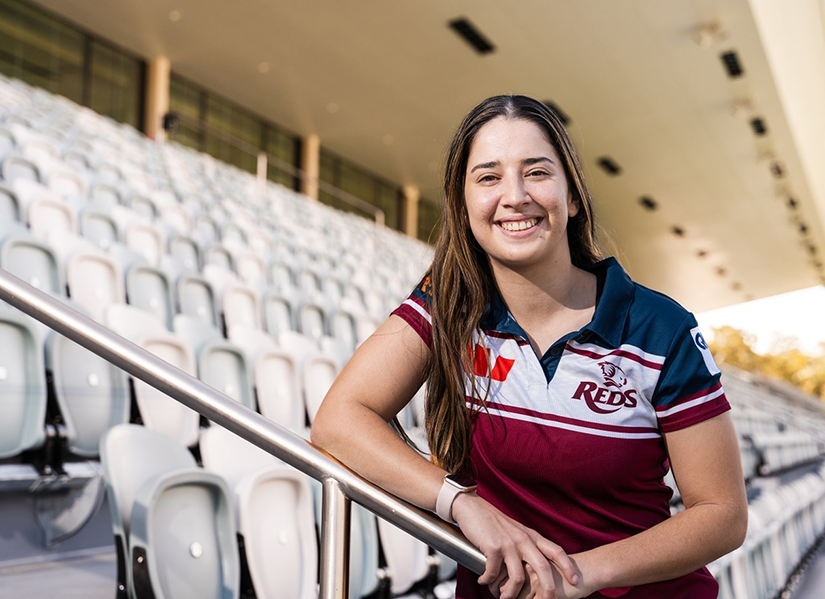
(265, 158)
(340, 483)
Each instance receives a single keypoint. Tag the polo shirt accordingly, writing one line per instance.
(571, 443)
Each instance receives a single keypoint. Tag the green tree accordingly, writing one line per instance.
(785, 362)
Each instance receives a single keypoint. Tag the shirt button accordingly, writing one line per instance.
(555, 351)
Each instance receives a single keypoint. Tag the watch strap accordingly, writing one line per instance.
(446, 496)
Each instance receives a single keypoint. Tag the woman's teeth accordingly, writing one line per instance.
(519, 225)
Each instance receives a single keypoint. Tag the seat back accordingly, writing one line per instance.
(149, 289)
(277, 314)
(185, 250)
(311, 321)
(22, 385)
(32, 261)
(319, 373)
(92, 394)
(9, 206)
(99, 228)
(95, 282)
(406, 557)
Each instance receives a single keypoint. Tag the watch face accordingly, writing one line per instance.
(461, 480)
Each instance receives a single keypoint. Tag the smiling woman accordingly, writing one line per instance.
(551, 436)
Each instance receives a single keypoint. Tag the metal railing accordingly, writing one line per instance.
(340, 485)
(264, 159)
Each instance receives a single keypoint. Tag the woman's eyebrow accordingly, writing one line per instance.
(531, 161)
(492, 164)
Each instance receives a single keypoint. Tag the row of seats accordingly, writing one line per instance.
(785, 523)
(176, 524)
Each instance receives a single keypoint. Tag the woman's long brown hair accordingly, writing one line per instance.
(461, 279)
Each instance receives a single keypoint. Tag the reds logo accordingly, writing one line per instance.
(610, 397)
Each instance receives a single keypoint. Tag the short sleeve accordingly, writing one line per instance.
(689, 388)
(415, 310)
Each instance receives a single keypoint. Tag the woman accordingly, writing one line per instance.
(578, 389)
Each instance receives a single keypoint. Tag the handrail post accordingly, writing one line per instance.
(335, 539)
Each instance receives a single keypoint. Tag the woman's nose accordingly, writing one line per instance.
(514, 192)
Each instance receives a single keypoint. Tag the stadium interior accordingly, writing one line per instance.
(249, 198)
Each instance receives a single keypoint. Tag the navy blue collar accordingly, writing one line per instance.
(612, 305)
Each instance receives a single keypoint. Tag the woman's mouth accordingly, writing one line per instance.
(518, 225)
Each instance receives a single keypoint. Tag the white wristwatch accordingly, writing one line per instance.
(452, 487)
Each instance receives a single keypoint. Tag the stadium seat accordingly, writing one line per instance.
(149, 289)
(173, 522)
(14, 168)
(186, 251)
(406, 557)
(278, 314)
(276, 377)
(157, 410)
(275, 515)
(22, 385)
(221, 365)
(195, 296)
(33, 261)
(319, 372)
(98, 227)
(146, 239)
(238, 303)
(92, 395)
(95, 281)
(311, 320)
(9, 205)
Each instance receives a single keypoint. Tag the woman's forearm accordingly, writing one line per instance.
(677, 546)
(363, 441)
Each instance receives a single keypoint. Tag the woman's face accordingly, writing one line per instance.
(518, 200)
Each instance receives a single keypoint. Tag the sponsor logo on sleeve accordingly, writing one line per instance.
(702, 345)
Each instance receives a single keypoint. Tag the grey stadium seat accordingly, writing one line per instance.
(33, 261)
(173, 522)
(98, 227)
(275, 515)
(22, 385)
(221, 365)
(149, 289)
(195, 296)
(93, 395)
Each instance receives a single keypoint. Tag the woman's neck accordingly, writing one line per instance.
(548, 301)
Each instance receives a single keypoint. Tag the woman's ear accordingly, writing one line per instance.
(572, 204)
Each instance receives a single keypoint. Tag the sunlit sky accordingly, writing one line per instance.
(799, 314)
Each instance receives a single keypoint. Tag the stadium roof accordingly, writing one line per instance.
(648, 85)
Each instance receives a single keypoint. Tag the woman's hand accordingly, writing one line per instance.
(510, 547)
(563, 590)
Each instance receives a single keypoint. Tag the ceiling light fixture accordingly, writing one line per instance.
(263, 67)
(742, 107)
(609, 165)
(175, 15)
(705, 34)
(471, 35)
(733, 67)
(648, 203)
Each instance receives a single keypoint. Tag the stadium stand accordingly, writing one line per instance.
(263, 297)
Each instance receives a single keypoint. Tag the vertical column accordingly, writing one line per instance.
(157, 96)
(311, 165)
(335, 535)
(411, 198)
